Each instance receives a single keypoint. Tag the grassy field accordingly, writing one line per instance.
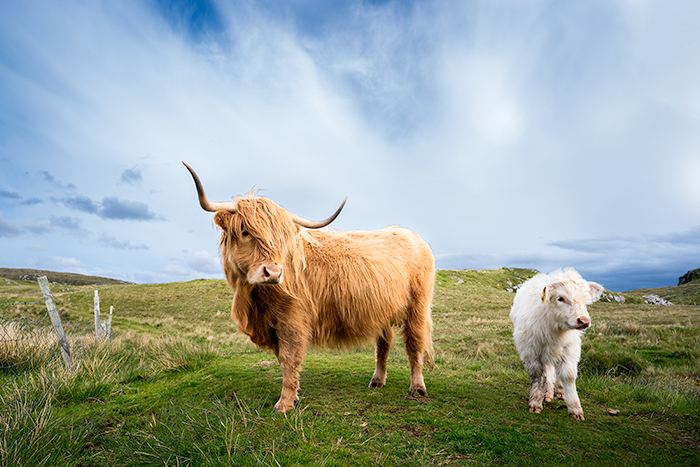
(178, 385)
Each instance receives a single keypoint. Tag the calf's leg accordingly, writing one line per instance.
(567, 375)
(534, 368)
(559, 390)
(383, 345)
(549, 377)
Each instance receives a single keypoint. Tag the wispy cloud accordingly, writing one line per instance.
(132, 176)
(56, 183)
(68, 224)
(112, 242)
(81, 203)
(63, 264)
(10, 195)
(112, 207)
(19, 199)
(203, 261)
(17, 227)
(31, 201)
(9, 228)
(115, 208)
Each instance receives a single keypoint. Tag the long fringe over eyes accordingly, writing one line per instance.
(271, 228)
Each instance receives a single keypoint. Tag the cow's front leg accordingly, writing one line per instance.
(383, 345)
(290, 353)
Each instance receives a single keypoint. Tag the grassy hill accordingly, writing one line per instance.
(178, 385)
(62, 278)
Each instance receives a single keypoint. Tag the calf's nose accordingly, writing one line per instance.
(583, 322)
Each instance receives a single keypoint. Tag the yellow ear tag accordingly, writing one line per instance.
(543, 295)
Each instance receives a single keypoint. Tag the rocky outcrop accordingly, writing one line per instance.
(654, 299)
(689, 276)
(610, 297)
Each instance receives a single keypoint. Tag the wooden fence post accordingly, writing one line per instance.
(99, 330)
(108, 328)
(56, 322)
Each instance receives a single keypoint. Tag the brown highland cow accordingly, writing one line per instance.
(294, 287)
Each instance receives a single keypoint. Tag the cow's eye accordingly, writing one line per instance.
(561, 299)
(245, 233)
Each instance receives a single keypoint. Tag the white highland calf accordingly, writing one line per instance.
(549, 315)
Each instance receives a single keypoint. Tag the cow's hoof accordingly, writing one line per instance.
(560, 395)
(419, 392)
(536, 409)
(577, 416)
(376, 384)
(548, 399)
(283, 408)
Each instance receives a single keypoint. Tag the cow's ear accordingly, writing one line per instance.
(223, 219)
(543, 294)
(596, 290)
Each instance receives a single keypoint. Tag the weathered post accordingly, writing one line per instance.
(99, 330)
(56, 322)
(108, 327)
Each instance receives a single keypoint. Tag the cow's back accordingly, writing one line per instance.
(363, 281)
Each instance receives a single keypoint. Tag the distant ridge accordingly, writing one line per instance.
(63, 278)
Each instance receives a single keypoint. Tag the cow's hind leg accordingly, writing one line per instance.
(418, 340)
(383, 345)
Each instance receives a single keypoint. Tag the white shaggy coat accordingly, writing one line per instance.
(549, 315)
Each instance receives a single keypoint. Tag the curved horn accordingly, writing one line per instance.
(317, 224)
(204, 202)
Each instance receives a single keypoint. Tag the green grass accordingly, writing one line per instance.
(180, 386)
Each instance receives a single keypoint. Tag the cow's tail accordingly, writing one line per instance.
(429, 352)
(428, 358)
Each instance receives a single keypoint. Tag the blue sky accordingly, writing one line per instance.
(538, 134)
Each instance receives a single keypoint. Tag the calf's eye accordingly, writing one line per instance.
(245, 233)
(561, 299)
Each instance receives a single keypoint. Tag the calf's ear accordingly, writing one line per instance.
(543, 294)
(596, 290)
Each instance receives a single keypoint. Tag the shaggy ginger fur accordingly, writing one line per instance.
(295, 287)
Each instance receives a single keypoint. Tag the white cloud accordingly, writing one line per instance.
(203, 261)
(60, 264)
(174, 270)
(113, 242)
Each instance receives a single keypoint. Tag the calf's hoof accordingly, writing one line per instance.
(376, 384)
(548, 399)
(418, 391)
(536, 409)
(577, 416)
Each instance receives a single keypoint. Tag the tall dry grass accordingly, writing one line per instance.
(25, 347)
